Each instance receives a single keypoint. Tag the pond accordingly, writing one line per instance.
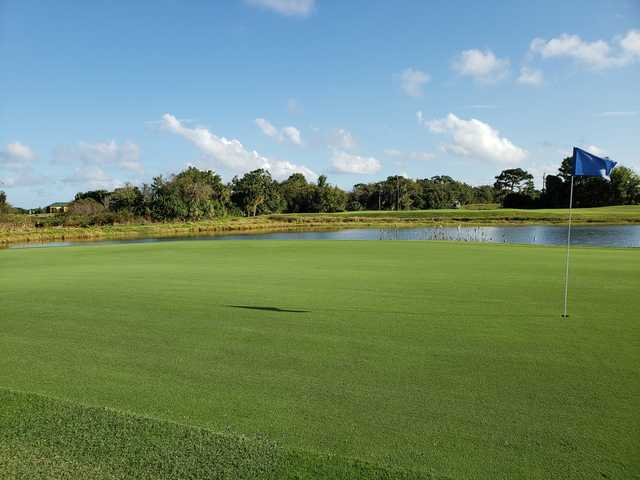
(601, 236)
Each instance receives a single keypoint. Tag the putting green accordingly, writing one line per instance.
(433, 358)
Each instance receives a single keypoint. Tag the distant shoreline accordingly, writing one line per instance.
(623, 215)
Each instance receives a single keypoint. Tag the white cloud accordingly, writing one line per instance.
(267, 128)
(231, 154)
(598, 54)
(482, 66)
(595, 150)
(473, 138)
(413, 81)
(17, 159)
(630, 43)
(282, 169)
(16, 156)
(26, 178)
(19, 150)
(342, 139)
(420, 117)
(125, 156)
(92, 177)
(530, 76)
(345, 162)
(291, 134)
(301, 8)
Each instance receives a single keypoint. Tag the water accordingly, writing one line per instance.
(600, 236)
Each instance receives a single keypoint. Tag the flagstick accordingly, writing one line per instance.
(566, 275)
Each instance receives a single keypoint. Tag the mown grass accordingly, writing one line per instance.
(617, 214)
(434, 358)
(21, 229)
(44, 438)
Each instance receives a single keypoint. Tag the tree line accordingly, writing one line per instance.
(515, 189)
(195, 194)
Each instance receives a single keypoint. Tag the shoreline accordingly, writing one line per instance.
(284, 223)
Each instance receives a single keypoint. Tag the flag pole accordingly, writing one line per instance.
(566, 275)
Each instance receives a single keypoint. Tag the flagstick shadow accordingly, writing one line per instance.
(268, 309)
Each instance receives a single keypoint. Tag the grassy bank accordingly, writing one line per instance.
(432, 358)
(611, 215)
(23, 230)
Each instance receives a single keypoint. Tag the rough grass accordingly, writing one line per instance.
(21, 229)
(429, 357)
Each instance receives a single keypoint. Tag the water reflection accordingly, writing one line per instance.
(602, 236)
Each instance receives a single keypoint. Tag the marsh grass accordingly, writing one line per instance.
(21, 229)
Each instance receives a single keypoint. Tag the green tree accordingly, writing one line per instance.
(192, 194)
(86, 206)
(297, 193)
(556, 193)
(514, 180)
(566, 169)
(328, 198)
(442, 191)
(100, 196)
(257, 193)
(127, 199)
(4, 205)
(484, 194)
(625, 186)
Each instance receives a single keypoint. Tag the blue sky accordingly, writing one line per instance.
(95, 94)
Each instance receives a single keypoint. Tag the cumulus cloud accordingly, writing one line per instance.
(16, 155)
(473, 138)
(231, 154)
(342, 139)
(267, 128)
(300, 8)
(92, 177)
(630, 43)
(598, 54)
(23, 178)
(16, 169)
(530, 76)
(282, 169)
(413, 82)
(125, 156)
(482, 66)
(290, 134)
(345, 162)
(595, 150)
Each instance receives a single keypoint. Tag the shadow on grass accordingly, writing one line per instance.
(269, 309)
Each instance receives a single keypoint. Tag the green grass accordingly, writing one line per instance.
(617, 214)
(355, 359)
(46, 438)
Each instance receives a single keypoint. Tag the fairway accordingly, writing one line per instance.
(258, 359)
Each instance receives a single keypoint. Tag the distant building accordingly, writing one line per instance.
(58, 207)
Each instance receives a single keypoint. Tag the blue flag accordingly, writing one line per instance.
(586, 164)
